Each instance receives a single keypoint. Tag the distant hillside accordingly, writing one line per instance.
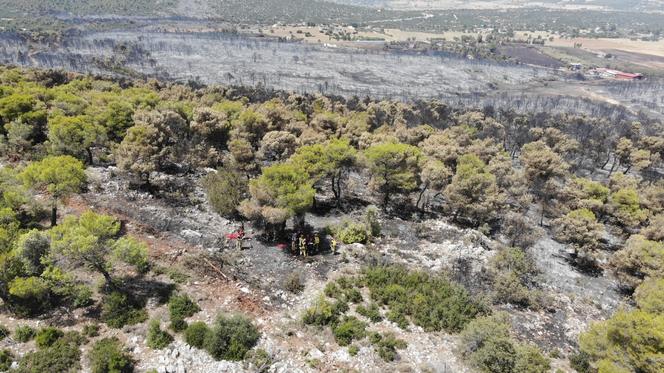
(17, 8)
(267, 11)
(631, 5)
(235, 10)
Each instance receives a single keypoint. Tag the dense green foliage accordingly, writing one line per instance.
(429, 301)
(487, 345)
(196, 334)
(63, 355)
(119, 309)
(179, 308)
(630, 340)
(230, 338)
(107, 356)
(46, 337)
(403, 297)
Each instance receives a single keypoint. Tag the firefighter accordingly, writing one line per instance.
(333, 245)
(303, 245)
(294, 238)
(240, 237)
(316, 242)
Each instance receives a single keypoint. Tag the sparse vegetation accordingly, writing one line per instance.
(158, 338)
(24, 333)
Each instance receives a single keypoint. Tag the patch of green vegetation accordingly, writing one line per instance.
(119, 309)
(157, 338)
(431, 302)
(6, 359)
(323, 312)
(47, 336)
(372, 312)
(258, 360)
(231, 338)
(487, 345)
(4, 332)
(348, 330)
(196, 334)
(179, 308)
(387, 345)
(63, 355)
(107, 356)
(91, 330)
(24, 333)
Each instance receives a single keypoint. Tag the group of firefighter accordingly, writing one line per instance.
(301, 244)
(306, 244)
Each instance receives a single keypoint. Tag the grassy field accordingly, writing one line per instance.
(655, 48)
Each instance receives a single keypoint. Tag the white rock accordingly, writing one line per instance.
(315, 353)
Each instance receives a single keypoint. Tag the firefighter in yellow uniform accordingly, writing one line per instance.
(303, 246)
(333, 245)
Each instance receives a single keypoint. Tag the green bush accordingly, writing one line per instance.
(225, 189)
(372, 312)
(349, 329)
(353, 350)
(387, 346)
(231, 338)
(181, 307)
(91, 330)
(354, 296)
(157, 338)
(529, 359)
(351, 233)
(82, 296)
(196, 334)
(580, 362)
(497, 355)
(432, 302)
(47, 336)
(119, 310)
(178, 325)
(107, 356)
(4, 332)
(487, 345)
(398, 317)
(6, 359)
(24, 333)
(321, 313)
(332, 290)
(63, 355)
